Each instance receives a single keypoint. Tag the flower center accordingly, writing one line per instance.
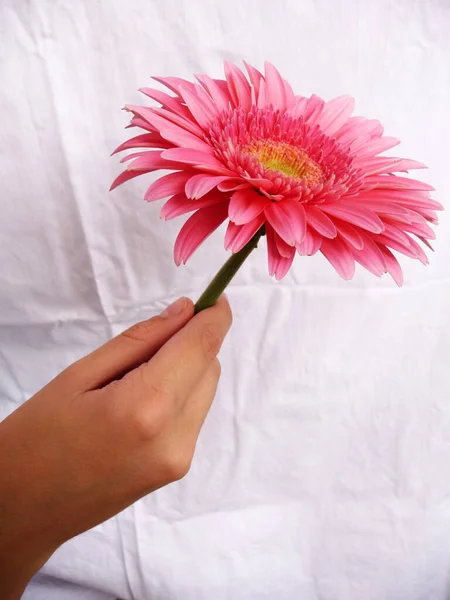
(285, 158)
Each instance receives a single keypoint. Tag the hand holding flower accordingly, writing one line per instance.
(113, 427)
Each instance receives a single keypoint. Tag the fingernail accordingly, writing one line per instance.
(175, 308)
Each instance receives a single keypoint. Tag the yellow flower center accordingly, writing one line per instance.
(284, 158)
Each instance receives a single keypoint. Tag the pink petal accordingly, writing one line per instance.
(196, 229)
(396, 182)
(335, 113)
(385, 164)
(289, 94)
(313, 110)
(176, 134)
(200, 111)
(168, 102)
(238, 86)
(167, 186)
(142, 123)
(413, 250)
(353, 214)
(261, 101)
(375, 146)
(255, 77)
(264, 185)
(404, 219)
(350, 235)
(418, 204)
(180, 205)
(392, 265)
(174, 83)
(221, 99)
(195, 157)
(420, 254)
(320, 222)
(207, 101)
(281, 268)
(223, 86)
(370, 257)
(410, 216)
(152, 161)
(378, 204)
(237, 236)
(298, 110)
(143, 112)
(426, 242)
(232, 184)
(145, 140)
(284, 249)
(357, 128)
(123, 177)
(288, 218)
(402, 197)
(311, 243)
(275, 90)
(199, 185)
(134, 155)
(278, 265)
(208, 106)
(429, 216)
(422, 230)
(395, 233)
(187, 124)
(338, 254)
(246, 205)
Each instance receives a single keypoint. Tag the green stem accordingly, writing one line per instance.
(226, 274)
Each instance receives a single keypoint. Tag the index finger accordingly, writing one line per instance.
(181, 363)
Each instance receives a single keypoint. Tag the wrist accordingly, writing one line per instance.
(19, 562)
(26, 529)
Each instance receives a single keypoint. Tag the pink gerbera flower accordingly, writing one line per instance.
(300, 170)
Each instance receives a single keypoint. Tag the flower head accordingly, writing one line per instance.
(249, 150)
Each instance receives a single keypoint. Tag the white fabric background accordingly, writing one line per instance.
(322, 470)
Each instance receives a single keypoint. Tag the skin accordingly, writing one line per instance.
(110, 429)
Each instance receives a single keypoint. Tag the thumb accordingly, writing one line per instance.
(128, 350)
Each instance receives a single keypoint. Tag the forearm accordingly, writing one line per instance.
(23, 549)
(17, 567)
(24, 537)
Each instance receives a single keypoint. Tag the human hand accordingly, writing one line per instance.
(111, 428)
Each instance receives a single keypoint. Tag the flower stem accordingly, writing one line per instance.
(226, 273)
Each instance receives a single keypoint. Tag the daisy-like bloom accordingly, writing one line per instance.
(301, 170)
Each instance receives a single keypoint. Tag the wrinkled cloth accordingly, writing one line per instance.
(322, 469)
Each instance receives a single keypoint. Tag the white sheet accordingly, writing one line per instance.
(322, 470)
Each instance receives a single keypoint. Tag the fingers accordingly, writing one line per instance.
(179, 442)
(181, 363)
(195, 411)
(129, 349)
